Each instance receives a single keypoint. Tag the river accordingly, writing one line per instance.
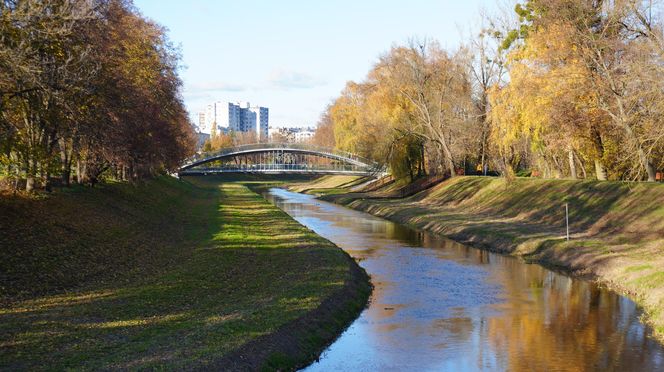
(441, 306)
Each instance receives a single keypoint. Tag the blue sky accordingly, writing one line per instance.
(296, 56)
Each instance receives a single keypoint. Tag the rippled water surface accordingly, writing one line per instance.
(439, 305)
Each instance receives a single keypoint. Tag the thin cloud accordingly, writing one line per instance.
(218, 86)
(285, 79)
(192, 95)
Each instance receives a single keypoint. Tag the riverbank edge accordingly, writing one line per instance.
(299, 343)
(537, 252)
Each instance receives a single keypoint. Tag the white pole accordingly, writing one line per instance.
(567, 219)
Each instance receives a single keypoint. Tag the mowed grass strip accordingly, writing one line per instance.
(253, 271)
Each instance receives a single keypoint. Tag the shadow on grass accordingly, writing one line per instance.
(248, 270)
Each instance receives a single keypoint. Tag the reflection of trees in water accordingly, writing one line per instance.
(565, 324)
(546, 320)
(556, 322)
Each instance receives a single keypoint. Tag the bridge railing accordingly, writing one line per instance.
(270, 167)
(278, 146)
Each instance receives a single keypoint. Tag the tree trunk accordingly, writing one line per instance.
(29, 183)
(66, 175)
(448, 156)
(650, 170)
(450, 165)
(65, 161)
(422, 171)
(78, 171)
(546, 171)
(572, 164)
(510, 174)
(555, 167)
(29, 175)
(581, 165)
(483, 145)
(66, 169)
(600, 170)
(43, 172)
(81, 170)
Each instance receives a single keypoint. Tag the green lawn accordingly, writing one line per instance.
(230, 270)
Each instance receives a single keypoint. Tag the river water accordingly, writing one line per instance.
(441, 306)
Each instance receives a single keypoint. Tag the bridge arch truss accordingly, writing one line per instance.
(280, 158)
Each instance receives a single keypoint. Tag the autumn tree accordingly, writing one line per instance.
(414, 111)
(406, 155)
(44, 66)
(90, 83)
(562, 88)
(324, 135)
(437, 86)
(591, 70)
(487, 70)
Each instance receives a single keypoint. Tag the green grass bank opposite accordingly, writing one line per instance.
(617, 228)
(169, 274)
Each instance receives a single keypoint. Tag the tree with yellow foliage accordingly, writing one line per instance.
(585, 80)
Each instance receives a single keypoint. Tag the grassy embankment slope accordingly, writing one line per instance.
(327, 184)
(617, 229)
(167, 275)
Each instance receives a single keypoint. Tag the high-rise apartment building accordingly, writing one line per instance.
(247, 119)
(262, 115)
(209, 119)
(201, 121)
(228, 115)
(235, 117)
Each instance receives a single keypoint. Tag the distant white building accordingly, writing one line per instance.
(235, 117)
(228, 115)
(304, 135)
(201, 121)
(210, 117)
(291, 134)
(271, 131)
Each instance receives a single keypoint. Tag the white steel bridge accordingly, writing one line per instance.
(280, 158)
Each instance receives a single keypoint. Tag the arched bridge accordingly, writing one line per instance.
(280, 158)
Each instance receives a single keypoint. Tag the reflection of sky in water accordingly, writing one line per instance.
(438, 305)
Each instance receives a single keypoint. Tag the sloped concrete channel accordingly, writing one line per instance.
(439, 305)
